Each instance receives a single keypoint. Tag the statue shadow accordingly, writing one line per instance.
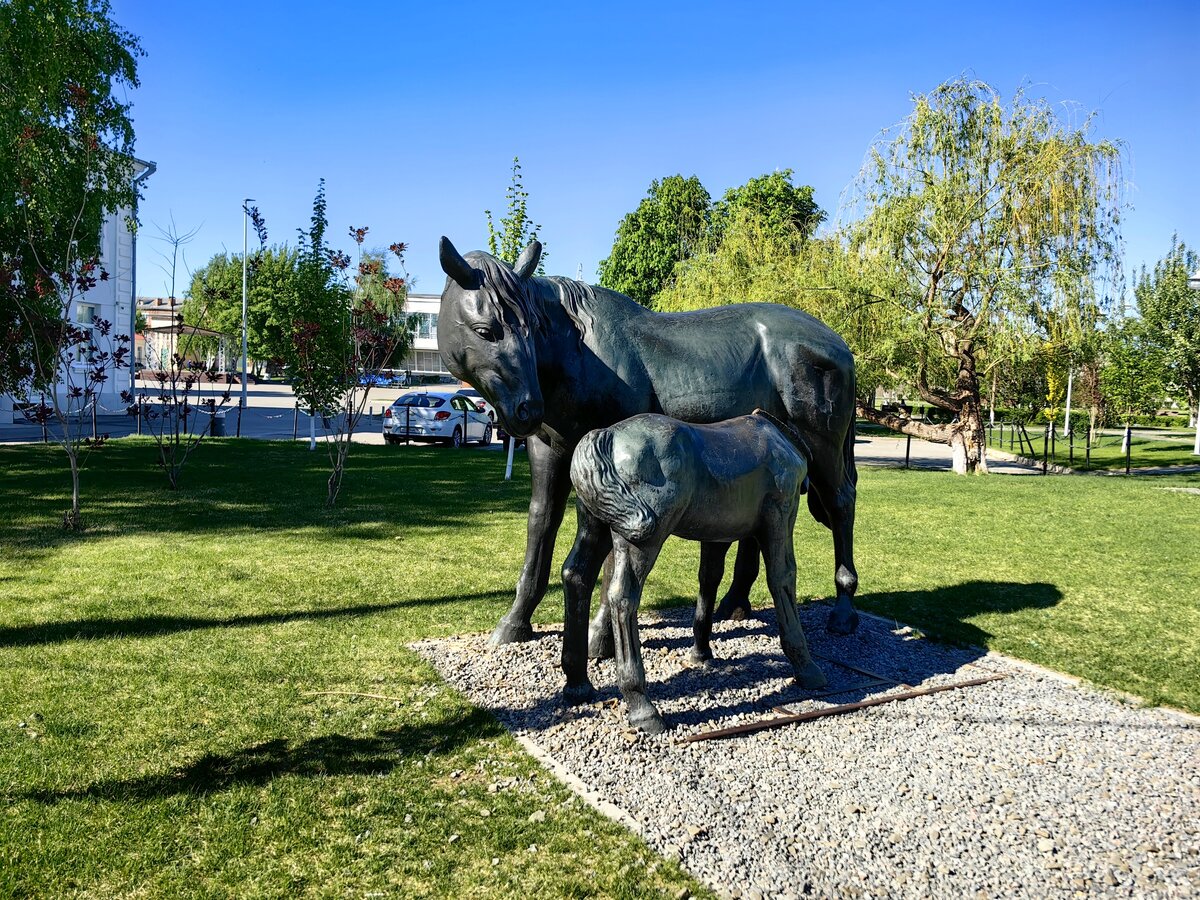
(318, 757)
(854, 665)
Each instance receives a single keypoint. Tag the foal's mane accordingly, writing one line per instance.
(503, 289)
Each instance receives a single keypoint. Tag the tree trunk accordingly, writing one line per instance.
(73, 520)
(968, 441)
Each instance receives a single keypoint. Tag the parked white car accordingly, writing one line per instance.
(446, 417)
(480, 403)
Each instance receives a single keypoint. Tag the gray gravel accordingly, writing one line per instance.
(1026, 787)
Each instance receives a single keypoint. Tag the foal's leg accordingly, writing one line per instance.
(593, 541)
(775, 536)
(712, 568)
(600, 632)
(631, 565)
(735, 604)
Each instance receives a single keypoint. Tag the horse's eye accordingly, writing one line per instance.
(485, 332)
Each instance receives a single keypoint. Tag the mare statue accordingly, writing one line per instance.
(558, 358)
(649, 477)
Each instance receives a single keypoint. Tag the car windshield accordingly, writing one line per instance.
(471, 392)
(423, 401)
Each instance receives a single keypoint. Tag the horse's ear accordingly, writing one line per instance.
(527, 262)
(453, 264)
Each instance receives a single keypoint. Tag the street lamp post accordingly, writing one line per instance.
(1194, 284)
(245, 216)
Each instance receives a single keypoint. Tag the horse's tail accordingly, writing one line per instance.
(605, 493)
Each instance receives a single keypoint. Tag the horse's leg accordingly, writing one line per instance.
(779, 555)
(837, 500)
(593, 541)
(600, 632)
(631, 565)
(735, 604)
(712, 569)
(549, 468)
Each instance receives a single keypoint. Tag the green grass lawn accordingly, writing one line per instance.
(160, 733)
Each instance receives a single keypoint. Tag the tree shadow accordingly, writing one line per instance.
(318, 757)
(244, 484)
(153, 626)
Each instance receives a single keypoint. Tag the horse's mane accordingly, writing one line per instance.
(503, 289)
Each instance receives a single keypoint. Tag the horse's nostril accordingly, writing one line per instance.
(523, 411)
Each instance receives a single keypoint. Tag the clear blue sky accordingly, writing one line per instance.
(412, 112)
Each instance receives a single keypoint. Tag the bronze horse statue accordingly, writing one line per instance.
(649, 477)
(558, 358)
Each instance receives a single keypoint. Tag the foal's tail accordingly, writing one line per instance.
(605, 493)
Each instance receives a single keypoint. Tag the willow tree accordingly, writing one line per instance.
(998, 222)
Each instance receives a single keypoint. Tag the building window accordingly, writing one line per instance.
(85, 317)
(427, 325)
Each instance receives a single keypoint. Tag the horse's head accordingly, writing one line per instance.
(486, 330)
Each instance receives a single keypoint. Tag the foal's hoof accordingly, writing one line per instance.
(810, 677)
(733, 609)
(511, 633)
(843, 619)
(601, 645)
(576, 694)
(647, 718)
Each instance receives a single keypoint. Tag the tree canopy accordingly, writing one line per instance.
(517, 230)
(66, 162)
(999, 224)
(1170, 311)
(670, 224)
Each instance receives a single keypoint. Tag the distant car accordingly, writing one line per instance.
(480, 404)
(446, 417)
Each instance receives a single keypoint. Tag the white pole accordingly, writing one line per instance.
(508, 468)
(1067, 417)
(1196, 446)
(245, 216)
(312, 430)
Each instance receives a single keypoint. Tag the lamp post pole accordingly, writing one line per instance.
(1194, 284)
(245, 216)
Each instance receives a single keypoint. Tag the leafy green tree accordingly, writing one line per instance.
(66, 162)
(992, 218)
(1131, 377)
(785, 211)
(214, 301)
(670, 225)
(1170, 311)
(517, 229)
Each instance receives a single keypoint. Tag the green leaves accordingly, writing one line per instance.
(517, 229)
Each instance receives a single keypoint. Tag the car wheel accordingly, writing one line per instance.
(456, 439)
(487, 435)
(389, 439)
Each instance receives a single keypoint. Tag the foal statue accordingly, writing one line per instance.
(651, 476)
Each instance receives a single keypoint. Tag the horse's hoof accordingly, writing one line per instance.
(810, 677)
(509, 633)
(575, 694)
(733, 609)
(647, 718)
(700, 657)
(601, 645)
(842, 620)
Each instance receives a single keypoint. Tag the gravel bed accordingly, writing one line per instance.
(1029, 786)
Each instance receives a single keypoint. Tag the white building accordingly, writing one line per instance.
(424, 358)
(112, 300)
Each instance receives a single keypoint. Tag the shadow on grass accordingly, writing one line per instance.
(328, 755)
(151, 626)
(942, 612)
(242, 484)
